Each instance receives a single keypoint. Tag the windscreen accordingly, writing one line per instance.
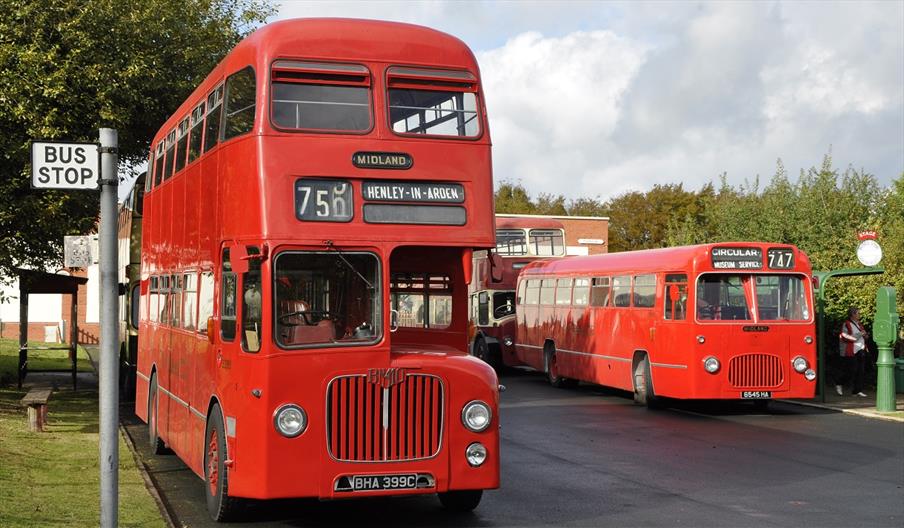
(781, 298)
(721, 296)
(326, 298)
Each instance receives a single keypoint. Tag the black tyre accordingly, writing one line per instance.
(461, 500)
(552, 372)
(482, 350)
(158, 446)
(643, 385)
(220, 505)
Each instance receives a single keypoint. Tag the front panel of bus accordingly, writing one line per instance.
(741, 327)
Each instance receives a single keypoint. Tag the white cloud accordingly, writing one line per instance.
(597, 98)
(555, 102)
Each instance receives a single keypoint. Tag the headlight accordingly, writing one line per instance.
(476, 454)
(800, 364)
(507, 340)
(711, 365)
(290, 420)
(810, 374)
(476, 416)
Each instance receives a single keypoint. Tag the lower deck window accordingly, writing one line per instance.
(421, 300)
(326, 298)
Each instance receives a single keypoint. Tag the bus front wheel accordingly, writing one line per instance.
(643, 384)
(460, 500)
(220, 505)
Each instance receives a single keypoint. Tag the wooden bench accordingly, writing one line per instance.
(36, 401)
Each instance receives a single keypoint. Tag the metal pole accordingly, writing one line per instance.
(109, 330)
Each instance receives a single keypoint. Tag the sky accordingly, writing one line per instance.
(595, 99)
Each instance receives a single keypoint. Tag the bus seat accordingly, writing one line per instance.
(322, 332)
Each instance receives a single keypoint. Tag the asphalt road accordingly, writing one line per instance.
(590, 457)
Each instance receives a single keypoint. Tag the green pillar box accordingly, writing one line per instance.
(885, 333)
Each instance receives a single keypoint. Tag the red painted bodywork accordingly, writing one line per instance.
(496, 330)
(603, 344)
(241, 192)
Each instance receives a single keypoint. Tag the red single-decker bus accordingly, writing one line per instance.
(712, 321)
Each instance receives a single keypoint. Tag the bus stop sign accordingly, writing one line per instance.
(64, 165)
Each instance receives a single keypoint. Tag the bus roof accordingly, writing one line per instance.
(653, 260)
(536, 222)
(341, 39)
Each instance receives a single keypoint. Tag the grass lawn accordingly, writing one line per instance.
(53, 478)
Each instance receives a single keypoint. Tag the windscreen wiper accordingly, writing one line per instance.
(329, 245)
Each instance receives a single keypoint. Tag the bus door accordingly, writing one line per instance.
(674, 338)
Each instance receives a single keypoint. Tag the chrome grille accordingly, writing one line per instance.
(755, 371)
(369, 423)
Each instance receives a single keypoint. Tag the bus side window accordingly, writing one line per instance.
(154, 301)
(548, 292)
(212, 123)
(165, 300)
(189, 301)
(483, 308)
(239, 112)
(205, 300)
(581, 292)
(675, 297)
(599, 292)
(521, 287)
(251, 304)
(644, 291)
(176, 308)
(621, 291)
(563, 292)
(532, 292)
(227, 304)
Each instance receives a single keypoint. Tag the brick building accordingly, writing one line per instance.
(584, 235)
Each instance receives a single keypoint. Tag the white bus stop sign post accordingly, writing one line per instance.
(76, 166)
(64, 165)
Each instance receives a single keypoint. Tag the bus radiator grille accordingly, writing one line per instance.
(367, 422)
(755, 371)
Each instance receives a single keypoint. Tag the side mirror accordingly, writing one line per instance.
(495, 267)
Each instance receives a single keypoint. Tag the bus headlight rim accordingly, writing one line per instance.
(476, 416)
(800, 364)
(711, 364)
(290, 420)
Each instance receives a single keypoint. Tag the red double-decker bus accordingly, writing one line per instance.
(519, 241)
(309, 225)
(712, 321)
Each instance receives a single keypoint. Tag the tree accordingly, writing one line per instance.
(641, 220)
(69, 67)
(512, 198)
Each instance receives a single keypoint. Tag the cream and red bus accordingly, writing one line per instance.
(711, 321)
(310, 217)
(519, 241)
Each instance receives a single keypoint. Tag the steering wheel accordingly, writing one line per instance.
(310, 317)
(503, 310)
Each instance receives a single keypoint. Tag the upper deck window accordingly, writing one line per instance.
(547, 242)
(433, 102)
(240, 102)
(320, 96)
(511, 242)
